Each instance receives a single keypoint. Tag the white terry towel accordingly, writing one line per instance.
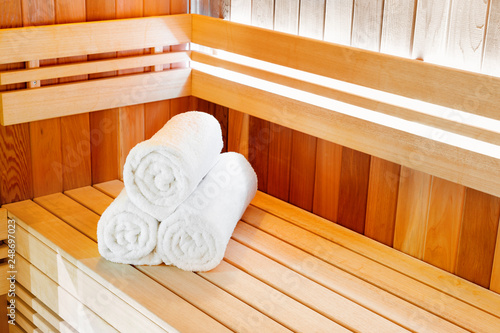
(195, 236)
(163, 171)
(127, 235)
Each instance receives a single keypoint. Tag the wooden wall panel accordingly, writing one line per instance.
(312, 16)
(303, 160)
(466, 34)
(411, 213)
(241, 11)
(75, 130)
(443, 224)
(478, 237)
(286, 16)
(398, 26)
(258, 149)
(430, 35)
(353, 194)
(338, 21)
(382, 200)
(16, 180)
(495, 272)
(327, 179)
(238, 132)
(263, 13)
(367, 24)
(491, 58)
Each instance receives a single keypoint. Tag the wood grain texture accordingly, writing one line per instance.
(238, 132)
(495, 272)
(443, 224)
(466, 34)
(220, 9)
(179, 105)
(312, 16)
(241, 11)
(286, 16)
(353, 191)
(104, 144)
(338, 21)
(327, 179)
(397, 27)
(258, 149)
(4, 325)
(431, 30)
(156, 7)
(75, 130)
(412, 212)
(491, 58)
(367, 24)
(302, 162)
(221, 114)
(131, 131)
(280, 148)
(45, 143)
(263, 13)
(156, 114)
(382, 200)
(477, 237)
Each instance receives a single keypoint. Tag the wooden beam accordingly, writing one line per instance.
(73, 98)
(25, 44)
(467, 91)
(97, 66)
(449, 162)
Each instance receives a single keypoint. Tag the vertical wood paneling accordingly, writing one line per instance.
(221, 113)
(45, 141)
(397, 27)
(280, 147)
(45, 136)
(241, 11)
(16, 180)
(156, 114)
(181, 104)
(312, 17)
(431, 29)
(327, 179)
(238, 132)
(103, 124)
(286, 16)
(75, 130)
(477, 237)
(443, 224)
(382, 200)
(353, 194)
(411, 213)
(367, 24)
(263, 13)
(466, 34)
(303, 160)
(338, 21)
(491, 58)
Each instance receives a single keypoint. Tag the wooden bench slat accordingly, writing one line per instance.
(350, 286)
(19, 106)
(3, 223)
(34, 317)
(212, 300)
(39, 307)
(26, 325)
(317, 297)
(439, 279)
(261, 296)
(458, 312)
(407, 77)
(91, 67)
(56, 41)
(91, 198)
(176, 280)
(147, 297)
(381, 105)
(111, 188)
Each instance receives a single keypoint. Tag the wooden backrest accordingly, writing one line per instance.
(438, 120)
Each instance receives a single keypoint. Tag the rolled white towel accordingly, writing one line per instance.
(127, 235)
(195, 236)
(163, 171)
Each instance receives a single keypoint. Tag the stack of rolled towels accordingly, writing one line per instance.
(182, 198)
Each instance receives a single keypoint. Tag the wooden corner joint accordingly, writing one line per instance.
(33, 64)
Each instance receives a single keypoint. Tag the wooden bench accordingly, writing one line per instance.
(285, 269)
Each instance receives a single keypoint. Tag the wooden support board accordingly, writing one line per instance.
(275, 275)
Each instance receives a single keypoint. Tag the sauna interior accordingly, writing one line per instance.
(379, 222)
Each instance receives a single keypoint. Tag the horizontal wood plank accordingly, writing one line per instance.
(467, 91)
(445, 161)
(111, 188)
(4, 283)
(91, 67)
(55, 41)
(73, 98)
(35, 318)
